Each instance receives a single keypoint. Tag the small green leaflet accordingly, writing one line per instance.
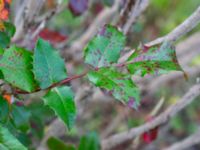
(153, 60)
(104, 49)
(89, 142)
(8, 141)
(16, 66)
(48, 66)
(119, 85)
(56, 144)
(61, 100)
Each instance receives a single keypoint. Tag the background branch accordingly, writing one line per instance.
(186, 143)
(170, 112)
(180, 30)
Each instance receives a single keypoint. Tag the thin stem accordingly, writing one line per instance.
(64, 81)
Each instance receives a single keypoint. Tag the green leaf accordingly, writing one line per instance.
(20, 116)
(119, 85)
(153, 60)
(89, 142)
(16, 66)
(61, 100)
(10, 29)
(56, 144)
(8, 141)
(4, 40)
(4, 110)
(1, 51)
(104, 49)
(48, 66)
(6, 35)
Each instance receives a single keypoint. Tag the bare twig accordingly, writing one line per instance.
(180, 30)
(137, 10)
(161, 119)
(186, 143)
(124, 14)
(28, 10)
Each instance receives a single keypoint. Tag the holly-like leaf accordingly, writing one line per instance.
(78, 7)
(89, 142)
(119, 85)
(104, 49)
(8, 141)
(48, 66)
(16, 66)
(153, 60)
(55, 144)
(61, 100)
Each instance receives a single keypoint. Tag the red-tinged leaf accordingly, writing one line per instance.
(151, 135)
(52, 36)
(50, 4)
(4, 9)
(97, 8)
(154, 60)
(78, 7)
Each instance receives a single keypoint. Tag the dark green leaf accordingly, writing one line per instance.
(4, 110)
(9, 29)
(6, 35)
(104, 49)
(56, 144)
(8, 141)
(153, 60)
(4, 40)
(61, 100)
(20, 116)
(119, 85)
(89, 142)
(48, 66)
(16, 66)
(108, 2)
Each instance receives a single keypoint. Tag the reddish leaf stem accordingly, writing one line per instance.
(66, 80)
